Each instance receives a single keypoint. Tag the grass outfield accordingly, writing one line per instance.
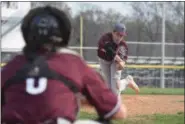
(145, 119)
(156, 91)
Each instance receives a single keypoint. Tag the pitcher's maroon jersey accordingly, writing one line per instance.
(121, 48)
(56, 100)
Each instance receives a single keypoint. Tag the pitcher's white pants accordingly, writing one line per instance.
(112, 75)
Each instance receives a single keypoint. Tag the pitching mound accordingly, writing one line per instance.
(148, 104)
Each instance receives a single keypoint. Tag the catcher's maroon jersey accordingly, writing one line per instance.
(121, 49)
(56, 100)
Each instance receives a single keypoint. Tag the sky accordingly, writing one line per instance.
(22, 6)
(121, 7)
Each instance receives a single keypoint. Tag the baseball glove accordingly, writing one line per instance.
(110, 49)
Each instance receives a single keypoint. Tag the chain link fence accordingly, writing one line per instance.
(140, 53)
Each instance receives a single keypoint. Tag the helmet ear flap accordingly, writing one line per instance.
(26, 22)
(24, 29)
(65, 25)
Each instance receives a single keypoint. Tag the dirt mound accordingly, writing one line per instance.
(148, 104)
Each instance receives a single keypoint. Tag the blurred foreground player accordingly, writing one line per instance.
(42, 85)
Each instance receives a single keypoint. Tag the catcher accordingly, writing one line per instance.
(42, 85)
(112, 53)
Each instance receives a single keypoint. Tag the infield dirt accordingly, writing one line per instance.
(148, 104)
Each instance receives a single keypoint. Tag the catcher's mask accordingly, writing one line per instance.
(46, 25)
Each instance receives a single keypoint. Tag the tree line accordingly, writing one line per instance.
(143, 23)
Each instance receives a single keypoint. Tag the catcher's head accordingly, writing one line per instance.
(46, 26)
(119, 32)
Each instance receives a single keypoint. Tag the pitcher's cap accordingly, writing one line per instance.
(120, 28)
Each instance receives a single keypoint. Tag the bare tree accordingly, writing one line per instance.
(60, 5)
(175, 21)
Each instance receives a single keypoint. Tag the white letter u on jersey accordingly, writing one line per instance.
(31, 89)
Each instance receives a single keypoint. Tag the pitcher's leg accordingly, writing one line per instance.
(105, 71)
(128, 81)
(115, 78)
(123, 84)
(132, 84)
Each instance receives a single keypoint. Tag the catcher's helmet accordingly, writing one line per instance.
(46, 25)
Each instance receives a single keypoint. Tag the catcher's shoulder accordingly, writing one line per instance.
(68, 51)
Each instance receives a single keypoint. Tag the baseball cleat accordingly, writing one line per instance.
(132, 83)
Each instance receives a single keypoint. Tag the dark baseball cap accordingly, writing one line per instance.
(120, 28)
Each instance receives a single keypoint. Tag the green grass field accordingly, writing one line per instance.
(144, 119)
(156, 91)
